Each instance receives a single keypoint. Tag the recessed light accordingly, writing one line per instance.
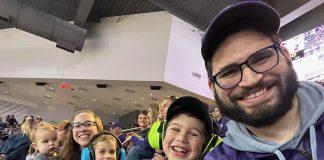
(142, 98)
(45, 102)
(6, 92)
(48, 96)
(151, 94)
(135, 102)
(114, 113)
(124, 108)
(94, 100)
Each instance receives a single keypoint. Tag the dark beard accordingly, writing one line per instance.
(263, 115)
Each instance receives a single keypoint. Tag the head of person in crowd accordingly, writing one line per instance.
(188, 129)
(84, 125)
(38, 119)
(116, 128)
(44, 140)
(104, 145)
(216, 114)
(27, 124)
(250, 72)
(153, 112)
(62, 129)
(143, 120)
(164, 105)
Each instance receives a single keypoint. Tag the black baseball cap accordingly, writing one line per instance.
(253, 14)
(192, 106)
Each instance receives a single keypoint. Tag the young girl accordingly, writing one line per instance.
(102, 146)
(44, 142)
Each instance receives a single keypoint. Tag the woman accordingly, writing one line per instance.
(84, 125)
(153, 112)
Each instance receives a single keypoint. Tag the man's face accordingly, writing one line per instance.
(259, 99)
(143, 120)
(216, 113)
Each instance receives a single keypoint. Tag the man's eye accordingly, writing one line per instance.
(112, 151)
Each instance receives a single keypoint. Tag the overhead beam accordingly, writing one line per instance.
(83, 12)
(300, 11)
(179, 13)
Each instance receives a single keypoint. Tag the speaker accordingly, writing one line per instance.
(40, 83)
(156, 87)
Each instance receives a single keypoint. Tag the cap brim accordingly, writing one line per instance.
(243, 13)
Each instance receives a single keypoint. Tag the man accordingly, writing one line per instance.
(220, 121)
(251, 75)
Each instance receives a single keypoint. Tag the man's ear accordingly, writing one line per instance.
(210, 85)
(285, 53)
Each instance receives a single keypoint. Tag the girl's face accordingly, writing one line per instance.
(105, 150)
(184, 138)
(83, 128)
(46, 142)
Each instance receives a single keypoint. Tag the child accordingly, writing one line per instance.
(104, 145)
(44, 142)
(188, 130)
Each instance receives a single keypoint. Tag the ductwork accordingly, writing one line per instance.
(67, 36)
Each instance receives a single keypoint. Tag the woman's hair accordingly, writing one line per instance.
(43, 126)
(26, 126)
(71, 149)
(154, 108)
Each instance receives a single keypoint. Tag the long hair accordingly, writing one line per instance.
(26, 126)
(154, 108)
(71, 149)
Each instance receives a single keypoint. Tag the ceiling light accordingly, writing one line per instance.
(47, 96)
(151, 94)
(135, 102)
(124, 108)
(142, 98)
(94, 100)
(114, 113)
(45, 102)
(6, 92)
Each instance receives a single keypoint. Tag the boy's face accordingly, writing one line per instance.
(104, 150)
(46, 142)
(184, 138)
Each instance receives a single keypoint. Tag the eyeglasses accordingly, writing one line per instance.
(86, 124)
(261, 61)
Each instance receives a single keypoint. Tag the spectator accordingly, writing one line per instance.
(84, 125)
(140, 150)
(117, 131)
(220, 121)
(17, 146)
(38, 119)
(164, 105)
(273, 116)
(62, 129)
(153, 112)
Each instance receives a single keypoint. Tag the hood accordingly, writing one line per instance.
(311, 103)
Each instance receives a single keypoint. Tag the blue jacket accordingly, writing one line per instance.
(16, 147)
(307, 143)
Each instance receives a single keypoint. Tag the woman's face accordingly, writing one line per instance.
(184, 138)
(84, 128)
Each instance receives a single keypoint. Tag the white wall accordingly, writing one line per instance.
(134, 49)
(184, 59)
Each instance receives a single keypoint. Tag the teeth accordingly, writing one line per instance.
(178, 149)
(84, 136)
(255, 94)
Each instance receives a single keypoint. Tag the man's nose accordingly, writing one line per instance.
(249, 77)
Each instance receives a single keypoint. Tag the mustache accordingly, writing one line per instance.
(248, 90)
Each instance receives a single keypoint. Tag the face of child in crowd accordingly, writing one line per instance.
(184, 138)
(143, 120)
(83, 128)
(46, 142)
(105, 150)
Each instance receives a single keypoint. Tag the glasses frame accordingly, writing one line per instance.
(82, 124)
(275, 46)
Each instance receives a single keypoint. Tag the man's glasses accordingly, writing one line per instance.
(261, 61)
(86, 124)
